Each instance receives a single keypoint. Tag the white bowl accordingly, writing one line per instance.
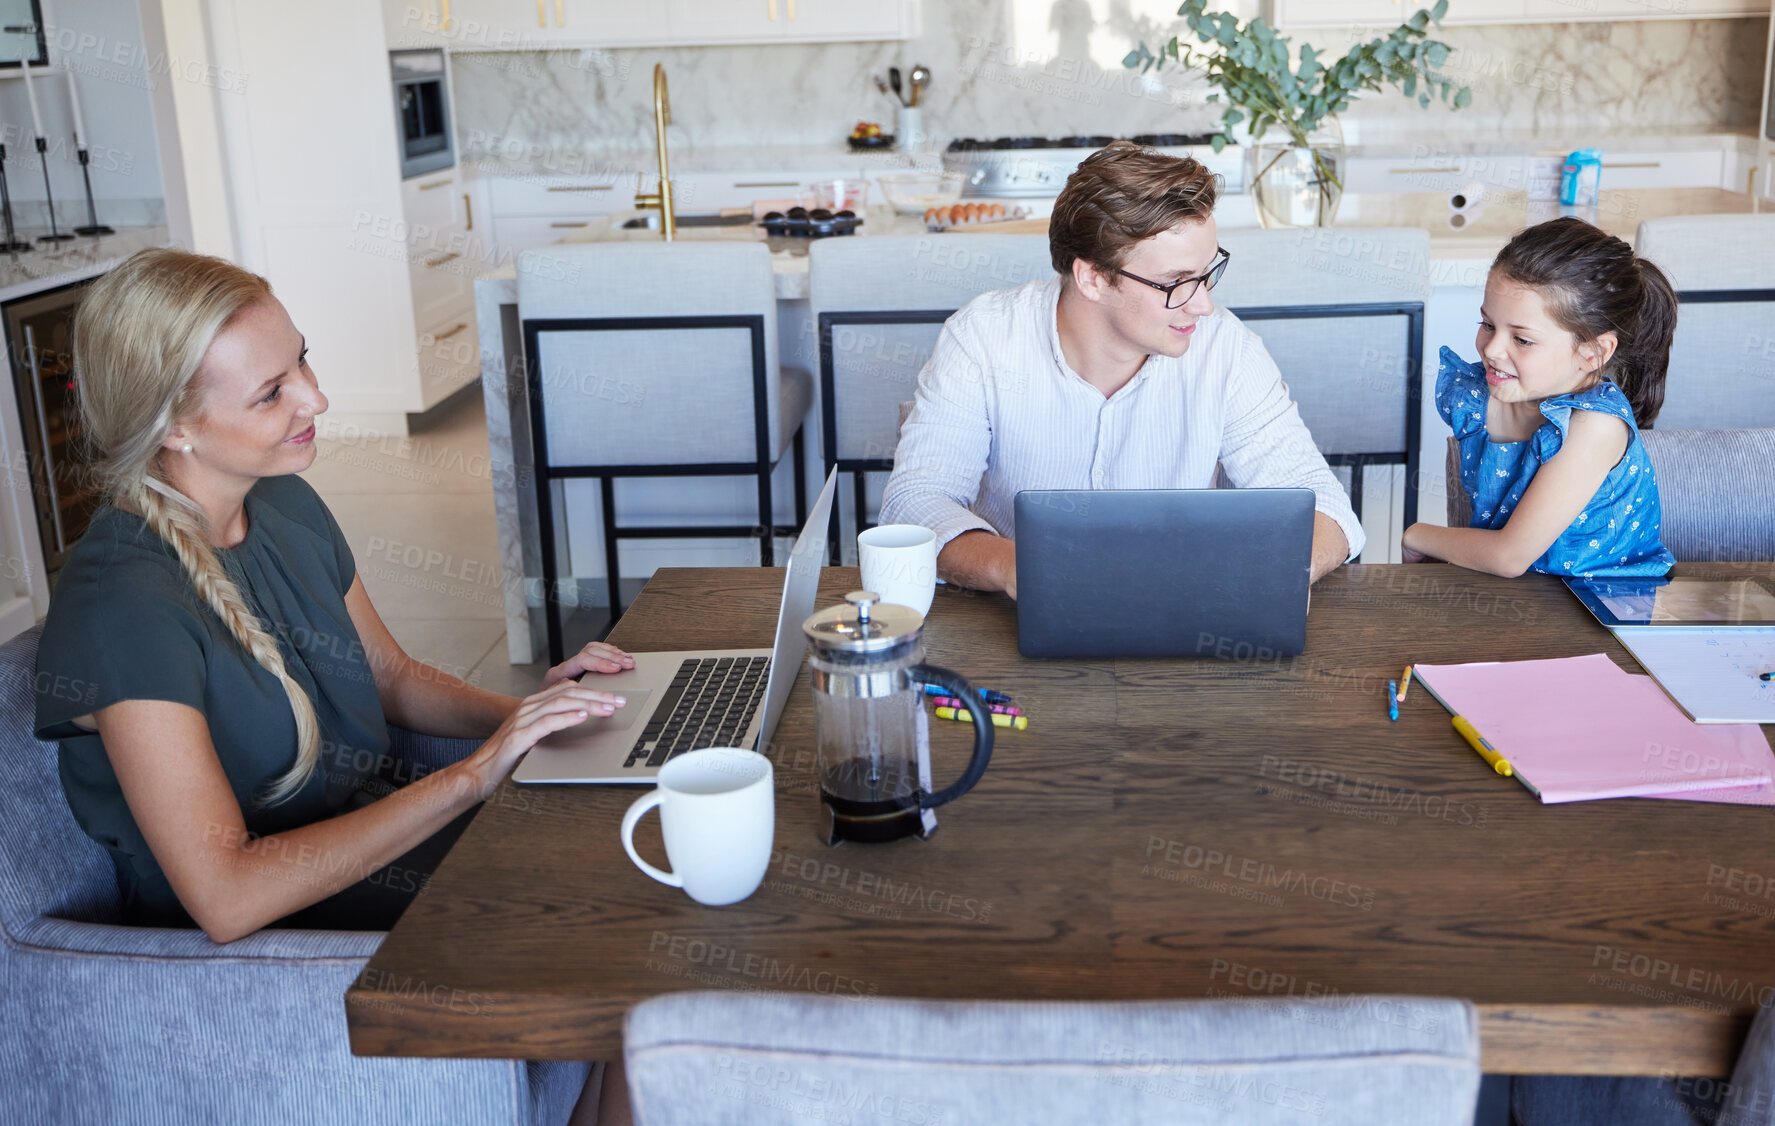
(914, 193)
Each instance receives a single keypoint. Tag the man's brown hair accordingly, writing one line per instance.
(1120, 195)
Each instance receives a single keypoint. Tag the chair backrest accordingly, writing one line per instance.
(745, 1058)
(1460, 505)
(866, 348)
(1722, 362)
(625, 373)
(48, 866)
(1341, 311)
(1717, 492)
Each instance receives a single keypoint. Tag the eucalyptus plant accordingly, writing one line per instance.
(1250, 68)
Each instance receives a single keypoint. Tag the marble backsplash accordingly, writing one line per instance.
(1051, 67)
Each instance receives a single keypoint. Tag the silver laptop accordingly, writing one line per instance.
(680, 701)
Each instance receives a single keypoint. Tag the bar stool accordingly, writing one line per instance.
(655, 360)
(878, 305)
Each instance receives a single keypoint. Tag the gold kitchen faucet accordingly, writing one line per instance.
(662, 117)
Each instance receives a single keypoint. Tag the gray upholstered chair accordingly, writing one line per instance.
(105, 1023)
(655, 359)
(1715, 488)
(877, 306)
(1341, 311)
(746, 1059)
(1722, 363)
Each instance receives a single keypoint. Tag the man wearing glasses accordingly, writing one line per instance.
(1119, 374)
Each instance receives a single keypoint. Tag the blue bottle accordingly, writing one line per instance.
(1580, 181)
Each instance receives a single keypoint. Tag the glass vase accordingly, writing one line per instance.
(1297, 185)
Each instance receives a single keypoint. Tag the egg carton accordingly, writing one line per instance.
(971, 215)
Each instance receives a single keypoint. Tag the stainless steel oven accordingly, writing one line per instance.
(422, 111)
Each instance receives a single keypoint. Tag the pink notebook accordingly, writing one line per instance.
(1580, 728)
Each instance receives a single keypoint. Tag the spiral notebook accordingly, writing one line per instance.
(1582, 728)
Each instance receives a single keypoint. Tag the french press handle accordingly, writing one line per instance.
(963, 691)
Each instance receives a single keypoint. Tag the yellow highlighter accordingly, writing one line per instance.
(1021, 723)
(1486, 751)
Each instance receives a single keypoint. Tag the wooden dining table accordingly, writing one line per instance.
(1246, 827)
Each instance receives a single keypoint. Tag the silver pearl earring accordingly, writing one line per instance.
(186, 448)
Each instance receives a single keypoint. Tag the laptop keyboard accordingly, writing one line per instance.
(710, 703)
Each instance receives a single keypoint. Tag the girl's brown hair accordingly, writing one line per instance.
(139, 337)
(1593, 283)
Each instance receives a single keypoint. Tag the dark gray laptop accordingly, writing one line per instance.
(1163, 572)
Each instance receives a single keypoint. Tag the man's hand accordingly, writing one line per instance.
(1330, 546)
(979, 560)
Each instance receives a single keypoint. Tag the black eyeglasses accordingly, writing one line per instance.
(1186, 287)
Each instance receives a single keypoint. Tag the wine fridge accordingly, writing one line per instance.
(39, 334)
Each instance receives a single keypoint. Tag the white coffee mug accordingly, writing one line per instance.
(899, 562)
(717, 812)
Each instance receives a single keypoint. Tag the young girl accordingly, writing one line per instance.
(1574, 336)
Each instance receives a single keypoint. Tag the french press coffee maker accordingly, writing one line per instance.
(867, 660)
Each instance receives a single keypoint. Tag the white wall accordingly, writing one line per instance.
(103, 42)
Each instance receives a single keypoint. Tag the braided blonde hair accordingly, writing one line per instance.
(139, 337)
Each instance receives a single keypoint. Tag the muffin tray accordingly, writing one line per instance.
(799, 222)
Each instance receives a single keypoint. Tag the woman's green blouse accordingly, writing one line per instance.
(125, 623)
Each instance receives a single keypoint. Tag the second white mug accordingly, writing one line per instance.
(899, 563)
(718, 817)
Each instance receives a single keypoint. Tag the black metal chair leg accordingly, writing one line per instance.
(613, 575)
(860, 497)
(767, 519)
(551, 579)
(800, 478)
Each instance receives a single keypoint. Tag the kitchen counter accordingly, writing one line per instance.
(53, 264)
(687, 158)
(1503, 214)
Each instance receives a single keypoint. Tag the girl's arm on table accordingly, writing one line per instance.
(1562, 489)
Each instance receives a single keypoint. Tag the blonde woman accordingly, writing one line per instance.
(239, 683)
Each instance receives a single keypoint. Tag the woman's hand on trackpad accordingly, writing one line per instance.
(597, 656)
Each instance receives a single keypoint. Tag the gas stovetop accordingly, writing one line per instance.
(1093, 142)
(1034, 167)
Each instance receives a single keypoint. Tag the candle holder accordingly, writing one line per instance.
(93, 227)
(54, 235)
(11, 243)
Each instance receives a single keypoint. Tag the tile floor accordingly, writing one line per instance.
(418, 513)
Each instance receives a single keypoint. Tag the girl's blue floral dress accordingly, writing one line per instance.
(1617, 533)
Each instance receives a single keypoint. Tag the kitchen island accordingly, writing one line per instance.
(1459, 259)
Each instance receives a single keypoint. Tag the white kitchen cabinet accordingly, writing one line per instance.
(1435, 171)
(372, 268)
(542, 25)
(603, 23)
(1563, 11)
(1291, 15)
(514, 25)
(561, 195)
(417, 23)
